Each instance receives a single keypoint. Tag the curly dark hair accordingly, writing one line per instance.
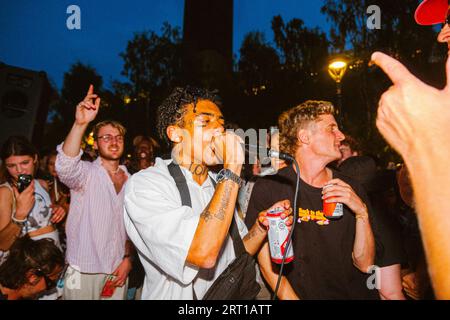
(173, 109)
(27, 255)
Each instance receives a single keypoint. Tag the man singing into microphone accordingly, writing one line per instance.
(331, 257)
(184, 248)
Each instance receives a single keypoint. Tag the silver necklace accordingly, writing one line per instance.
(114, 172)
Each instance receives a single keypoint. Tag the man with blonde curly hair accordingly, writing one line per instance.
(331, 256)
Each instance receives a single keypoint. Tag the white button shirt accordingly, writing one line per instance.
(162, 231)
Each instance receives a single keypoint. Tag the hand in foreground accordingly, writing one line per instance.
(412, 114)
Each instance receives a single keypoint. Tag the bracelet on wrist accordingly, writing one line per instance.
(361, 216)
(18, 221)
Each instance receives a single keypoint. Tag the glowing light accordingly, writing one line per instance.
(337, 69)
(337, 65)
(90, 139)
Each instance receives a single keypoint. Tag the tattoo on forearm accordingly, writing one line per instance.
(206, 215)
(224, 202)
(252, 233)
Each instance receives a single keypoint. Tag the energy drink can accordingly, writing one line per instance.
(278, 237)
(332, 210)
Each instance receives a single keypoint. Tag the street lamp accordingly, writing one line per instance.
(126, 100)
(337, 69)
(90, 139)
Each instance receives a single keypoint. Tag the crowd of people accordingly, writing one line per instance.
(153, 227)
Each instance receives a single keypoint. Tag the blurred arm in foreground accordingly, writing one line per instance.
(414, 119)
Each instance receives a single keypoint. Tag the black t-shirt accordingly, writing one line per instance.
(388, 235)
(323, 266)
(380, 186)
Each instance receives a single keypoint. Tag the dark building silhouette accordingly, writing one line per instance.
(208, 42)
(24, 100)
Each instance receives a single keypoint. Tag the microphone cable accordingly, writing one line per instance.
(289, 243)
(281, 155)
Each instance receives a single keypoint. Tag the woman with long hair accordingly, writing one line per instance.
(30, 211)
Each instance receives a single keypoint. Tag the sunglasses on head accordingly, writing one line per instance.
(49, 283)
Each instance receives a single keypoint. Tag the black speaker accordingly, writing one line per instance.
(24, 100)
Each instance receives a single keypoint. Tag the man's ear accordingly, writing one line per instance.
(35, 161)
(95, 145)
(303, 136)
(174, 134)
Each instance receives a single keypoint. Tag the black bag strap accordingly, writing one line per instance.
(236, 237)
(182, 186)
(181, 183)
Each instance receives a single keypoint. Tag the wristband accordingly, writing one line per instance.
(17, 221)
(361, 216)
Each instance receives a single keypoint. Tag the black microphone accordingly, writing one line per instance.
(270, 153)
(280, 155)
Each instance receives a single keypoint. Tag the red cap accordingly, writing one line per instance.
(431, 12)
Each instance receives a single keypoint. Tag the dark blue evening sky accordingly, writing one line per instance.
(33, 34)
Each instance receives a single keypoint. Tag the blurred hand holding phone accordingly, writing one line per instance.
(23, 181)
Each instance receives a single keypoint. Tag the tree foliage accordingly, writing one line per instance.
(277, 76)
(399, 36)
(151, 61)
(62, 111)
(259, 63)
(269, 76)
